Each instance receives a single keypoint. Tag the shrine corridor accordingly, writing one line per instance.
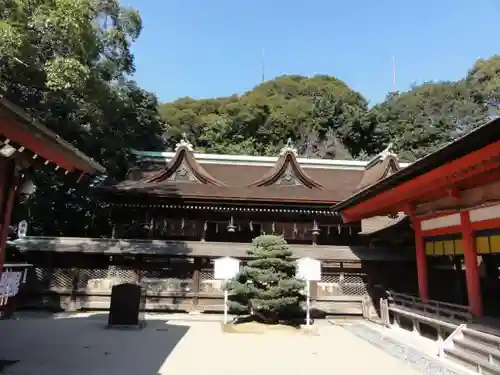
(80, 345)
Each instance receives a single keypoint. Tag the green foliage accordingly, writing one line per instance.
(424, 118)
(66, 62)
(311, 111)
(484, 83)
(267, 286)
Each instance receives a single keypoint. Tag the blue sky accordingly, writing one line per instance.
(208, 48)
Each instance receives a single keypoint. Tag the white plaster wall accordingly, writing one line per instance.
(440, 222)
(485, 213)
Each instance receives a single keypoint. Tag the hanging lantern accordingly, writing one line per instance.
(231, 228)
(273, 227)
(315, 229)
(250, 225)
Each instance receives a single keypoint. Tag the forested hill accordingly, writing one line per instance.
(327, 119)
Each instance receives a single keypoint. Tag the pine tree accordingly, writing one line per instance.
(266, 287)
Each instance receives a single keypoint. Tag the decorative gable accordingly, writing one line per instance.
(184, 168)
(183, 174)
(392, 167)
(382, 165)
(288, 177)
(287, 172)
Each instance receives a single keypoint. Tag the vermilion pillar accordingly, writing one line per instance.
(471, 267)
(423, 281)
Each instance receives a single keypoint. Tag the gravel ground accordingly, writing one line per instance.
(80, 344)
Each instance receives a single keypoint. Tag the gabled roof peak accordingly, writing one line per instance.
(287, 171)
(184, 143)
(383, 155)
(183, 168)
(388, 151)
(289, 148)
(378, 168)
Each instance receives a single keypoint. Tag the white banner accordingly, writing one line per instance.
(226, 268)
(9, 283)
(309, 269)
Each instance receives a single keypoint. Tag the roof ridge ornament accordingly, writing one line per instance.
(382, 155)
(289, 147)
(184, 143)
(388, 151)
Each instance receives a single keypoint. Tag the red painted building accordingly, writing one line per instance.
(452, 197)
(25, 143)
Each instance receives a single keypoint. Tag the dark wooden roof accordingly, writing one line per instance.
(377, 169)
(270, 193)
(286, 180)
(20, 123)
(186, 156)
(287, 160)
(205, 249)
(380, 224)
(475, 140)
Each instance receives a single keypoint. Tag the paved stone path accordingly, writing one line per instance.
(81, 345)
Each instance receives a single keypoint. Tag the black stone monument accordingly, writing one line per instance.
(125, 307)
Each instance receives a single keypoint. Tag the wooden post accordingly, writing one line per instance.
(196, 281)
(471, 266)
(313, 292)
(422, 272)
(73, 304)
(9, 183)
(459, 292)
(137, 268)
(4, 181)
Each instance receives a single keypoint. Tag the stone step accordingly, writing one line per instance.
(472, 361)
(487, 353)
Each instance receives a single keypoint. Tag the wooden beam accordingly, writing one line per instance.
(469, 199)
(35, 144)
(80, 178)
(454, 193)
(409, 209)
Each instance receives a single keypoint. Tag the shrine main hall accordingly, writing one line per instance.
(178, 211)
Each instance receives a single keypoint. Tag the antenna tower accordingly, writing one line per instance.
(262, 66)
(394, 82)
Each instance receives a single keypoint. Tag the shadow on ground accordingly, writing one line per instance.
(72, 344)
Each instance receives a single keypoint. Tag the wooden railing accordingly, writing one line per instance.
(165, 288)
(444, 317)
(438, 309)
